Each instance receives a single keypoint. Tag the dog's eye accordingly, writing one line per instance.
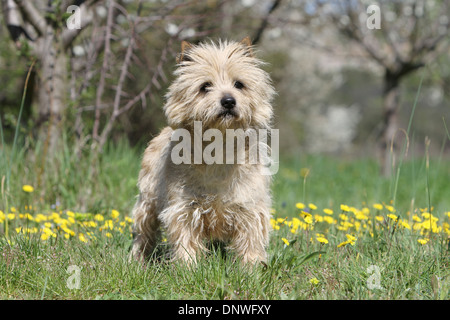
(205, 87)
(239, 85)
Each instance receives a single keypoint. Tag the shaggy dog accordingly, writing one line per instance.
(220, 86)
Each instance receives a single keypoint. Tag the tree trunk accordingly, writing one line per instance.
(52, 84)
(391, 94)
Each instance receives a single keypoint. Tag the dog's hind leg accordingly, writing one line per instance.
(146, 227)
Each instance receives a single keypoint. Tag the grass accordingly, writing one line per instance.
(38, 249)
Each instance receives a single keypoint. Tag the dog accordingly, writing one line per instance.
(222, 86)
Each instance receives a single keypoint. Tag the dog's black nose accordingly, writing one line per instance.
(228, 102)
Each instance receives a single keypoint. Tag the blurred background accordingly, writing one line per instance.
(352, 79)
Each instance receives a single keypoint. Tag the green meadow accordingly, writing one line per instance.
(340, 231)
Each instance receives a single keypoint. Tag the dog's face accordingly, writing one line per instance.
(221, 85)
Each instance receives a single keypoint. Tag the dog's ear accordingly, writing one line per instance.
(183, 56)
(247, 42)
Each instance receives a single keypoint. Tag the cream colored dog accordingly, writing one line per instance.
(222, 86)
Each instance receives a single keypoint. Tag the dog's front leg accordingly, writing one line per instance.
(184, 233)
(250, 237)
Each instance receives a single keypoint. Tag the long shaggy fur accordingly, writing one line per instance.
(198, 202)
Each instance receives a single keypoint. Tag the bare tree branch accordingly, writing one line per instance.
(117, 98)
(33, 15)
(265, 22)
(101, 85)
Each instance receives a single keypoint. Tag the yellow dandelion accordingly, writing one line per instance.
(343, 244)
(115, 214)
(296, 222)
(392, 216)
(390, 208)
(108, 224)
(49, 232)
(328, 211)
(318, 218)
(55, 216)
(405, 224)
(378, 206)
(322, 240)
(429, 216)
(345, 208)
(314, 281)
(99, 217)
(351, 238)
(446, 228)
(344, 225)
(82, 237)
(40, 217)
(286, 241)
(423, 241)
(274, 224)
(354, 210)
(312, 206)
(361, 216)
(329, 220)
(308, 219)
(68, 231)
(300, 205)
(28, 188)
(129, 220)
(320, 235)
(91, 224)
(379, 218)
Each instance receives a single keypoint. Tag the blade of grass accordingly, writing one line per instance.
(45, 287)
(16, 134)
(404, 149)
(3, 154)
(446, 129)
(427, 174)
